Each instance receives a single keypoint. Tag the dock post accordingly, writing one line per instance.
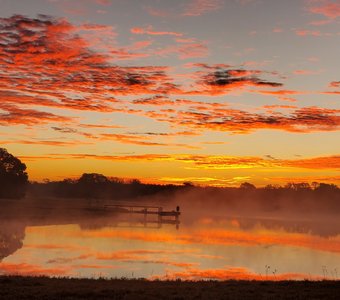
(160, 210)
(145, 216)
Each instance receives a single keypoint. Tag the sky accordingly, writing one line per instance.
(216, 92)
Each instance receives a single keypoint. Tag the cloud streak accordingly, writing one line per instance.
(31, 270)
(218, 162)
(149, 30)
(13, 115)
(300, 120)
(199, 7)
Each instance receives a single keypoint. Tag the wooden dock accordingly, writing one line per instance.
(162, 217)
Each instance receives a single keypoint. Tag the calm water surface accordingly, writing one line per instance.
(203, 247)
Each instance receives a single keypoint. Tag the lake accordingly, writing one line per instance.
(81, 243)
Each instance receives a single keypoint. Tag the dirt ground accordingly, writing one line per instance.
(15, 287)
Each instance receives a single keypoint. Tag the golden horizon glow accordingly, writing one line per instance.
(187, 92)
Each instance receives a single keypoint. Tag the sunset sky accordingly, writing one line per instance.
(216, 92)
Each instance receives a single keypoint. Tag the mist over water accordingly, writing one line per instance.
(217, 238)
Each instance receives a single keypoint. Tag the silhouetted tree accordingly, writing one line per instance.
(13, 178)
(92, 185)
(271, 187)
(303, 186)
(135, 182)
(92, 178)
(188, 184)
(247, 186)
(326, 188)
(315, 185)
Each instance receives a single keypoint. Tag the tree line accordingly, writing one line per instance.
(14, 184)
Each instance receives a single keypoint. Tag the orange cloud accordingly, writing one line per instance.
(305, 72)
(141, 139)
(335, 84)
(92, 266)
(13, 115)
(32, 270)
(200, 7)
(155, 100)
(211, 181)
(64, 260)
(302, 32)
(165, 101)
(185, 51)
(328, 8)
(331, 162)
(218, 162)
(100, 126)
(309, 119)
(281, 92)
(42, 99)
(288, 99)
(103, 2)
(332, 93)
(88, 81)
(309, 179)
(46, 143)
(279, 106)
(129, 52)
(278, 30)
(123, 54)
(320, 22)
(149, 30)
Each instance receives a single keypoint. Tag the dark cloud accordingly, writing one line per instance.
(225, 78)
(64, 129)
(268, 156)
(180, 133)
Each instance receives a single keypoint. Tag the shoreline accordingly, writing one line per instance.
(42, 287)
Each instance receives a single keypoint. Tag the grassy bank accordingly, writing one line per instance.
(15, 287)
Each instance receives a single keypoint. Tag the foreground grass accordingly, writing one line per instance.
(16, 287)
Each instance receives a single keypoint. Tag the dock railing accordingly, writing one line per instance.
(163, 217)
